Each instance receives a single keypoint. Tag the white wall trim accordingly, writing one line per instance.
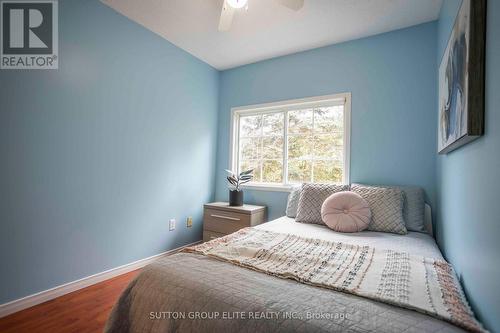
(269, 187)
(347, 138)
(49, 294)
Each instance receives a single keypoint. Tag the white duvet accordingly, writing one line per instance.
(414, 242)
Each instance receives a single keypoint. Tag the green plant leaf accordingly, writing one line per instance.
(232, 181)
(246, 172)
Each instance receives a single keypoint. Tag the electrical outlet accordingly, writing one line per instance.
(189, 222)
(171, 224)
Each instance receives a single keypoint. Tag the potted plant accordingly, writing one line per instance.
(235, 181)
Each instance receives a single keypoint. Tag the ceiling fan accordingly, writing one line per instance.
(229, 7)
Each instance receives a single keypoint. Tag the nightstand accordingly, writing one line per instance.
(220, 219)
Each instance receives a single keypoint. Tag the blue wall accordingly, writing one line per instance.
(98, 155)
(392, 80)
(468, 225)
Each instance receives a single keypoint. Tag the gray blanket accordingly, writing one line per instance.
(189, 292)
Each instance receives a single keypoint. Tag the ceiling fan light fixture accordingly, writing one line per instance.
(237, 4)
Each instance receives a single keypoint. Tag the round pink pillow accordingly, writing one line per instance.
(346, 212)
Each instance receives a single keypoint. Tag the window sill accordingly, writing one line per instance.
(269, 187)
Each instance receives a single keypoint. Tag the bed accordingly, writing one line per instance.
(191, 292)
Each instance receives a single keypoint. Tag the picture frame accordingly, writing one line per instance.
(461, 79)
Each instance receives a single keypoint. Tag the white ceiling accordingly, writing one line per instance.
(268, 29)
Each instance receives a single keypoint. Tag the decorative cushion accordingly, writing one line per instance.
(293, 202)
(413, 206)
(311, 198)
(346, 212)
(386, 205)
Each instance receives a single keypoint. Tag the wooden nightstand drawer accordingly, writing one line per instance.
(220, 219)
(224, 222)
(209, 235)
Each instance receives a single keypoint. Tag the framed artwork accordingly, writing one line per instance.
(461, 79)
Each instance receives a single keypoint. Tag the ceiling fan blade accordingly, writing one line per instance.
(292, 4)
(226, 17)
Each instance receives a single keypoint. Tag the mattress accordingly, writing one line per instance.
(414, 242)
(189, 292)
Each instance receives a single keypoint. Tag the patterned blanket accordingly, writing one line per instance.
(422, 284)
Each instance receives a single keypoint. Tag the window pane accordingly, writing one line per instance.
(327, 172)
(300, 146)
(329, 119)
(300, 121)
(272, 147)
(299, 171)
(328, 146)
(250, 125)
(273, 124)
(250, 148)
(252, 164)
(261, 146)
(272, 171)
(314, 142)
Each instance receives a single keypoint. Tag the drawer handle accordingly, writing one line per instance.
(225, 217)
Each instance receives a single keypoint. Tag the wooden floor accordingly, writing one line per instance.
(85, 310)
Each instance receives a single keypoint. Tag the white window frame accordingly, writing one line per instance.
(290, 105)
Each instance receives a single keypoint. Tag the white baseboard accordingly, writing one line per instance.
(49, 294)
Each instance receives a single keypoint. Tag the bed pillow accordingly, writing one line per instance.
(312, 196)
(413, 206)
(293, 202)
(346, 212)
(386, 205)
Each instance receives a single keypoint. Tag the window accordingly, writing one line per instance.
(293, 142)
